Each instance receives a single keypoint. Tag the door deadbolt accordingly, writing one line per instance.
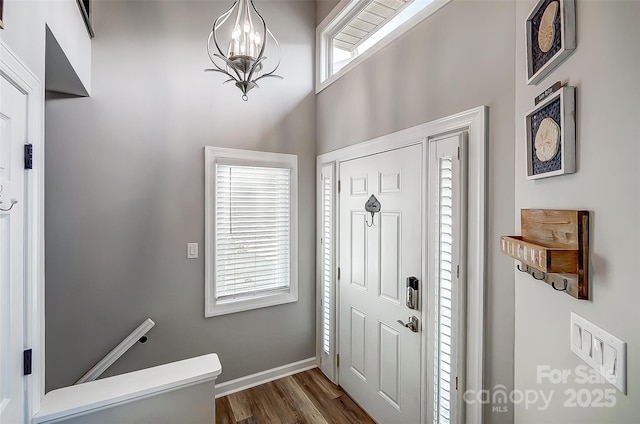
(412, 324)
(412, 293)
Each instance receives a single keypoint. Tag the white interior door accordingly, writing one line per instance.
(379, 357)
(13, 133)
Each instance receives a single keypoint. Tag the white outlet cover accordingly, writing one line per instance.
(611, 361)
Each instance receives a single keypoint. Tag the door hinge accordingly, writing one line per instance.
(338, 273)
(28, 156)
(339, 186)
(27, 361)
(456, 383)
(457, 271)
(338, 360)
(458, 152)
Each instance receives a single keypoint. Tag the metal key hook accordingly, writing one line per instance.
(372, 206)
(13, 201)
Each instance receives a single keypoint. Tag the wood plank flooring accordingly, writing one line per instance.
(304, 398)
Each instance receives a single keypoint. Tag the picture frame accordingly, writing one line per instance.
(551, 37)
(551, 136)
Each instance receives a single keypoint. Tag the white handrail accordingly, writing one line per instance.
(117, 352)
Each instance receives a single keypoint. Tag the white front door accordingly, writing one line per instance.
(379, 357)
(13, 133)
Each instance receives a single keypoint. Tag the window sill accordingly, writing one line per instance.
(231, 307)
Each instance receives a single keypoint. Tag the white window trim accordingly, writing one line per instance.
(329, 26)
(476, 122)
(212, 155)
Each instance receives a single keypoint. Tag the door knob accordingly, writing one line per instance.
(412, 324)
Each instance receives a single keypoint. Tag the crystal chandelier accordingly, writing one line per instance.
(244, 61)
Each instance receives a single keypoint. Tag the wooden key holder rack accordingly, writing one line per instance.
(554, 248)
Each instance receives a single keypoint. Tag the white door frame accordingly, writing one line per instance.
(475, 122)
(15, 71)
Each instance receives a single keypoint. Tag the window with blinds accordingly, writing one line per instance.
(252, 231)
(251, 216)
(327, 268)
(327, 260)
(447, 247)
(444, 297)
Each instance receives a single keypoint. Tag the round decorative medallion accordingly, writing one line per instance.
(546, 30)
(547, 139)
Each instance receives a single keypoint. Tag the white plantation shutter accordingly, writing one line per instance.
(447, 241)
(444, 315)
(252, 238)
(327, 262)
(327, 268)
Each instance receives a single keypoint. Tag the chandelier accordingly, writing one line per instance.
(244, 60)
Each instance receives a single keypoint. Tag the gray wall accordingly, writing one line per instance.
(605, 69)
(323, 7)
(125, 191)
(461, 57)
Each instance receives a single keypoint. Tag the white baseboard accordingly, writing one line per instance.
(249, 381)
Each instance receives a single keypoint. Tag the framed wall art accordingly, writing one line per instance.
(551, 37)
(551, 135)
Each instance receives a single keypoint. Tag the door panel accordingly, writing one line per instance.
(13, 124)
(358, 342)
(358, 249)
(390, 234)
(389, 363)
(358, 185)
(380, 358)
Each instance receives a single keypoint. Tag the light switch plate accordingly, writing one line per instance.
(192, 250)
(605, 353)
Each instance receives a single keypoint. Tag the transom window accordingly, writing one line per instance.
(358, 26)
(250, 230)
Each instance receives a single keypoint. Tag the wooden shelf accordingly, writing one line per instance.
(553, 247)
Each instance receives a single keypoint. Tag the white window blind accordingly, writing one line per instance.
(252, 231)
(327, 263)
(444, 382)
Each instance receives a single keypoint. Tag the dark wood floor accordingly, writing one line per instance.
(307, 397)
